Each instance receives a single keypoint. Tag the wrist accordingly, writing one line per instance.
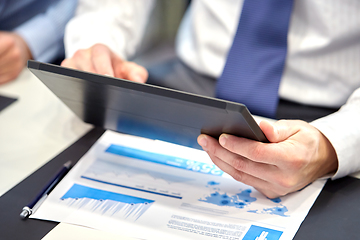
(23, 46)
(328, 155)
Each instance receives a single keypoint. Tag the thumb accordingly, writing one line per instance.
(278, 131)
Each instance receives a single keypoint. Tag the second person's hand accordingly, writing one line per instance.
(14, 52)
(101, 60)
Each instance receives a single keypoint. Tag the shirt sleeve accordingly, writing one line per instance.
(120, 25)
(343, 131)
(44, 33)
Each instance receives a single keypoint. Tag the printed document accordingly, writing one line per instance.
(149, 189)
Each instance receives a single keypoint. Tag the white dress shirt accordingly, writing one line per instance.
(322, 65)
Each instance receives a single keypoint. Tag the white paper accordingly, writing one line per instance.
(74, 232)
(155, 190)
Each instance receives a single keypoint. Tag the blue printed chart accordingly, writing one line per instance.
(261, 233)
(105, 202)
(242, 200)
(176, 162)
(146, 171)
(135, 178)
(144, 174)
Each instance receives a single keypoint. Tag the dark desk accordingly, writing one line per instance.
(335, 214)
(5, 101)
(11, 203)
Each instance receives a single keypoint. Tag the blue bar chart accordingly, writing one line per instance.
(105, 202)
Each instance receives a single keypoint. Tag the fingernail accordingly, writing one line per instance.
(223, 139)
(203, 141)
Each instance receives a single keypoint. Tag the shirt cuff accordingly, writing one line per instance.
(343, 131)
(44, 32)
(40, 40)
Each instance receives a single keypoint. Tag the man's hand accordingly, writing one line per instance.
(14, 52)
(297, 155)
(100, 59)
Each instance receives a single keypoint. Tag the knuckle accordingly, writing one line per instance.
(298, 162)
(98, 49)
(120, 71)
(275, 191)
(214, 150)
(285, 184)
(16, 54)
(270, 193)
(9, 42)
(238, 176)
(239, 164)
(80, 54)
(280, 192)
(215, 160)
(97, 46)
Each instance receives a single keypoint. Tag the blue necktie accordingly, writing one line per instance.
(256, 59)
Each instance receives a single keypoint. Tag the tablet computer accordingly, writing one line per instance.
(145, 110)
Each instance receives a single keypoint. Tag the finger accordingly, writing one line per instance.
(131, 71)
(138, 73)
(245, 170)
(5, 79)
(72, 63)
(211, 146)
(8, 57)
(101, 57)
(279, 131)
(263, 171)
(269, 153)
(8, 76)
(5, 43)
(269, 193)
(81, 61)
(4, 55)
(67, 62)
(261, 185)
(11, 59)
(10, 66)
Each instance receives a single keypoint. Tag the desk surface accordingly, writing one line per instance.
(33, 129)
(37, 127)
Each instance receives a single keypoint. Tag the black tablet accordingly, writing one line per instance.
(145, 110)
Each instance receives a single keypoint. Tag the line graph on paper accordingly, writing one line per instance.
(138, 177)
(106, 203)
